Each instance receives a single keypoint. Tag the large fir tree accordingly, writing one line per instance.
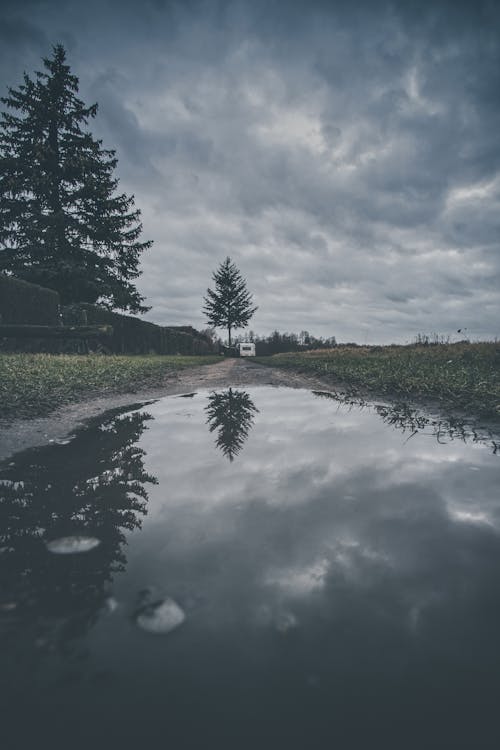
(230, 304)
(62, 223)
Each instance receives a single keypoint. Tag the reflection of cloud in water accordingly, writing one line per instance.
(280, 619)
(345, 557)
(300, 581)
(466, 516)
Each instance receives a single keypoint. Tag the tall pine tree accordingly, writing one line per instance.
(230, 304)
(62, 223)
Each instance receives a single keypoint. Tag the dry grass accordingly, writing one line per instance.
(35, 384)
(463, 375)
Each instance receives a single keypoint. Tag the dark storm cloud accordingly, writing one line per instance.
(345, 155)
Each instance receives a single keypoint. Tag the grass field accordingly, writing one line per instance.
(35, 384)
(464, 376)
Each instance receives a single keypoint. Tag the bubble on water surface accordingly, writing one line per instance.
(161, 617)
(70, 545)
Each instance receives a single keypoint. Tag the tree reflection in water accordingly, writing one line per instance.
(94, 486)
(406, 418)
(232, 413)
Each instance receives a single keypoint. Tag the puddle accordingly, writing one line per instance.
(316, 576)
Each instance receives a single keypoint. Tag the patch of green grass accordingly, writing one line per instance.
(35, 384)
(465, 376)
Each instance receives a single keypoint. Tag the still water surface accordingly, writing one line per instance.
(265, 569)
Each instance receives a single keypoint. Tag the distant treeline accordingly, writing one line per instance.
(278, 342)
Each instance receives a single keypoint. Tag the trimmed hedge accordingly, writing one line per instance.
(25, 303)
(135, 336)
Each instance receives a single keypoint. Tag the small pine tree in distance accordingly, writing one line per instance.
(229, 305)
(62, 223)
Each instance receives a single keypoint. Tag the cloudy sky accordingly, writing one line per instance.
(346, 155)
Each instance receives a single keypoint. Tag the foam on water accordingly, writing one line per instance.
(71, 545)
(161, 617)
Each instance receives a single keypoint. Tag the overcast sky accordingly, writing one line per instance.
(346, 155)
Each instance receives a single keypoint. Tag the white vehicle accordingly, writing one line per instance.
(247, 349)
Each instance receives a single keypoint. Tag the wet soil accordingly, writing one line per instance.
(28, 433)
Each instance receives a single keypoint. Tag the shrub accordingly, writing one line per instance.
(24, 303)
(135, 336)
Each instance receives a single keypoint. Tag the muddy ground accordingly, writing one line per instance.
(28, 433)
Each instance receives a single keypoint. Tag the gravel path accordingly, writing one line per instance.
(29, 433)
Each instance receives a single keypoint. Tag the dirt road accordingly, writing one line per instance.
(25, 433)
